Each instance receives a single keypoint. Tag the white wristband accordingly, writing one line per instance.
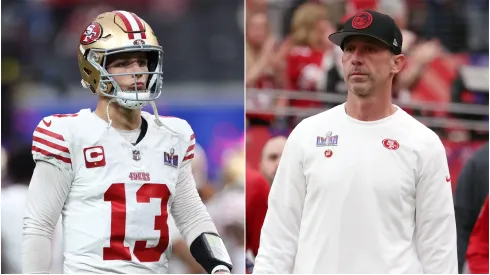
(220, 267)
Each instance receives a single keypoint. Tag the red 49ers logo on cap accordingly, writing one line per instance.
(91, 34)
(362, 20)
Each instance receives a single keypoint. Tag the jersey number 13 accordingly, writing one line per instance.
(116, 194)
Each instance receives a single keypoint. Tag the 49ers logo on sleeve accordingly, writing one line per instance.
(91, 34)
(94, 157)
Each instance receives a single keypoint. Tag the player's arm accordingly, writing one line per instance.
(279, 237)
(194, 222)
(435, 226)
(181, 250)
(47, 193)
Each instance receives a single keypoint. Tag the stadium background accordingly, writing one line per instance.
(449, 95)
(203, 83)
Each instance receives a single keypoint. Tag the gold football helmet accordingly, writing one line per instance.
(113, 33)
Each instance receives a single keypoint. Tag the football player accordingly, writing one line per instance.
(116, 173)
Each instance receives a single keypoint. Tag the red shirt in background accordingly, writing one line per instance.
(257, 194)
(477, 253)
(305, 71)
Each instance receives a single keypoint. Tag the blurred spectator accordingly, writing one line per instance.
(470, 194)
(257, 194)
(311, 54)
(256, 6)
(262, 69)
(271, 155)
(20, 167)
(260, 48)
(477, 255)
(227, 207)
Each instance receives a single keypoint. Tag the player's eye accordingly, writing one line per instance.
(119, 64)
(142, 62)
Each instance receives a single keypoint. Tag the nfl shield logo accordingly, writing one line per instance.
(136, 155)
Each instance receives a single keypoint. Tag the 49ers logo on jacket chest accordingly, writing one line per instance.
(91, 34)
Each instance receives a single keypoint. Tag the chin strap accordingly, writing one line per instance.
(155, 113)
(153, 105)
(107, 112)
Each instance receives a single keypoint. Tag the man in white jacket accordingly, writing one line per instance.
(362, 187)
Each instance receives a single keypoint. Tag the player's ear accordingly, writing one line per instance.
(397, 63)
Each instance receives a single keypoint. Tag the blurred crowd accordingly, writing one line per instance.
(294, 71)
(203, 61)
(287, 48)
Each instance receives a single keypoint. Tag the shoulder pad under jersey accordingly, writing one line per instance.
(50, 141)
(184, 130)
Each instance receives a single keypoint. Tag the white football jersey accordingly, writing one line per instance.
(115, 215)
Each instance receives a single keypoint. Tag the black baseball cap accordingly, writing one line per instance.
(373, 24)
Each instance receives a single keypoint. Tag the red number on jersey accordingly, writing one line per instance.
(116, 194)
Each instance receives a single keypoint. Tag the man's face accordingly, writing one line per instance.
(271, 155)
(367, 64)
(257, 29)
(132, 62)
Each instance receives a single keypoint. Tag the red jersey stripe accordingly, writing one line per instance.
(191, 148)
(51, 144)
(191, 156)
(49, 133)
(49, 154)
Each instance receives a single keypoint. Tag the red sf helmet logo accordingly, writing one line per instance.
(362, 20)
(91, 34)
(391, 144)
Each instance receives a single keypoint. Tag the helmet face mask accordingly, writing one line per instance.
(107, 37)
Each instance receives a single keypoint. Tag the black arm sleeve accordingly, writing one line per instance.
(209, 251)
